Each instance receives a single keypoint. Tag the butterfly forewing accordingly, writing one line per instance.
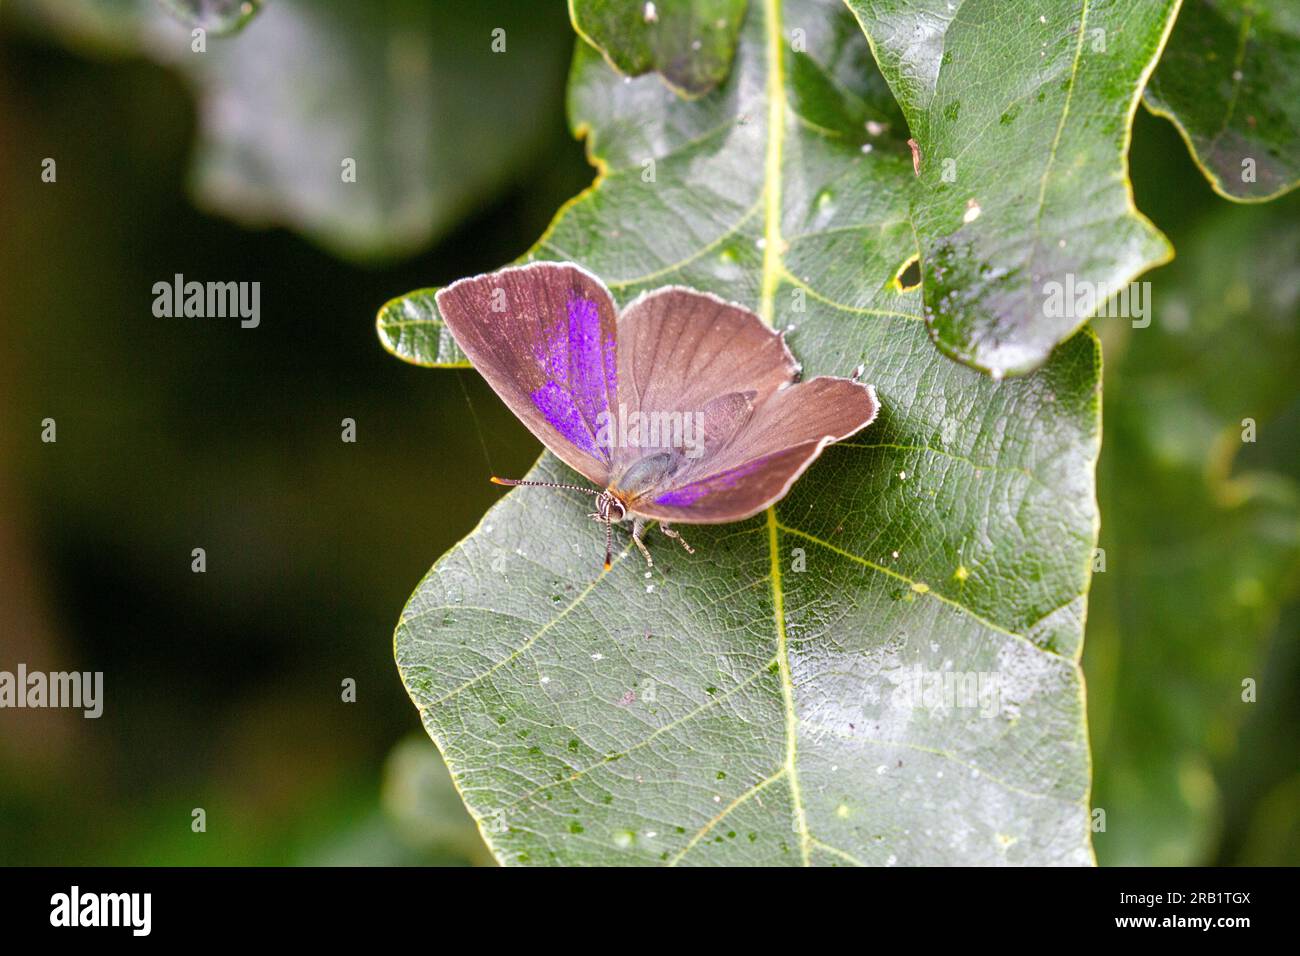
(684, 352)
(544, 336)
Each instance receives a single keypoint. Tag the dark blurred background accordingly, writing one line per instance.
(223, 689)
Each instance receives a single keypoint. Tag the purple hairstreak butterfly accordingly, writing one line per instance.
(681, 409)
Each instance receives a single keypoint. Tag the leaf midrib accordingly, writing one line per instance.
(773, 269)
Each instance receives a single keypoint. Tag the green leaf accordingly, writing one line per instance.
(408, 95)
(1202, 531)
(1022, 114)
(690, 43)
(1230, 81)
(743, 705)
(411, 328)
(215, 16)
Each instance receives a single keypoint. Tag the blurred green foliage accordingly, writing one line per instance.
(371, 128)
(1199, 486)
(1201, 530)
(223, 689)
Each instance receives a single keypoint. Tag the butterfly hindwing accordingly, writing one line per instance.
(682, 350)
(784, 436)
(686, 352)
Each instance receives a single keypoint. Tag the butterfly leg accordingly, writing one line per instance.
(638, 529)
(666, 529)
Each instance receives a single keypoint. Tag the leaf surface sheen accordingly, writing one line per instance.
(744, 705)
(1022, 113)
(1230, 81)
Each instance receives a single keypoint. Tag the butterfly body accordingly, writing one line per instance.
(644, 474)
(683, 408)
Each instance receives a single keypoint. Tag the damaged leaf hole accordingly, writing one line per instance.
(908, 276)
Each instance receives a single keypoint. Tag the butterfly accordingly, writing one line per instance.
(681, 409)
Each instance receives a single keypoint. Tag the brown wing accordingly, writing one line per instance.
(684, 352)
(778, 442)
(544, 336)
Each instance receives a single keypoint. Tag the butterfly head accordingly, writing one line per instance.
(609, 509)
(609, 512)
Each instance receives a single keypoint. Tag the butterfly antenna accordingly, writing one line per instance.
(514, 482)
(478, 429)
(609, 530)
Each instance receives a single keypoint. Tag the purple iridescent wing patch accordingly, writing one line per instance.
(544, 336)
(685, 495)
(581, 369)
